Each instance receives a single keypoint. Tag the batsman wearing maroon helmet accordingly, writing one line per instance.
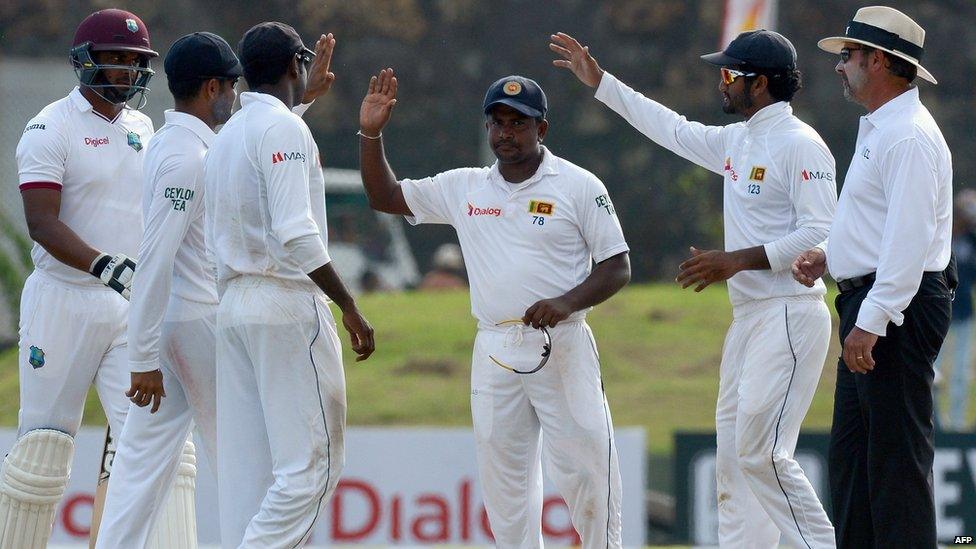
(80, 169)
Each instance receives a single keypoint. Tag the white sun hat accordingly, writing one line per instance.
(886, 29)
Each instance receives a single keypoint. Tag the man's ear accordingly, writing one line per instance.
(543, 128)
(759, 84)
(213, 88)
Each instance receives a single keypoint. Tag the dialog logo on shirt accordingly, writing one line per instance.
(758, 173)
(476, 211)
(807, 175)
(540, 208)
(284, 157)
(96, 141)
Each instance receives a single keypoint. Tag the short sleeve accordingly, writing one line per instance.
(598, 220)
(283, 156)
(41, 155)
(434, 199)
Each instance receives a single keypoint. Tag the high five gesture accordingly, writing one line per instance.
(378, 103)
(576, 58)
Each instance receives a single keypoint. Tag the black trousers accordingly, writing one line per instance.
(881, 441)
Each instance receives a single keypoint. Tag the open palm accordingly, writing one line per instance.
(378, 104)
(576, 58)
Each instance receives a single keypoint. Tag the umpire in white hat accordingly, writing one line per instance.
(889, 252)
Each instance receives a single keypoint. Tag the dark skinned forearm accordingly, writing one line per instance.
(606, 279)
(751, 259)
(328, 280)
(63, 244)
(378, 178)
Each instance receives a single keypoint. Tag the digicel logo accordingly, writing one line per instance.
(474, 210)
(428, 517)
(96, 141)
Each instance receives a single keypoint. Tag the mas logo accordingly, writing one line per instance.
(541, 208)
(36, 357)
(807, 175)
(474, 210)
(282, 157)
(758, 173)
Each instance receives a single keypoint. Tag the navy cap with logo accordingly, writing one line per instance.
(201, 55)
(269, 42)
(521, 93)
(760, 49)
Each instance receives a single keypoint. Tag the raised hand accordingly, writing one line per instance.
(319, 77)
(576, 58)
(378, 104)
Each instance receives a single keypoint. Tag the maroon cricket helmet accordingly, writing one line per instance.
(114, 30)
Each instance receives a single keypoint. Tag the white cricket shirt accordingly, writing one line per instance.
(521, 242)
(96, 163)
(895, 210)
(778, 174)
(173, 256)
(264, 189)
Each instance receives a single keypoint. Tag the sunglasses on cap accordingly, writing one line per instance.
(305, 55)
(845, 54)
(730, 75)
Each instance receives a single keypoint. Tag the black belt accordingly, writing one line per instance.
(856, 282)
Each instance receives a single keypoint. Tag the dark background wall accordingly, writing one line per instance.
(446, 53)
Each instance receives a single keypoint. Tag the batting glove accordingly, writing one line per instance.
(116, 272)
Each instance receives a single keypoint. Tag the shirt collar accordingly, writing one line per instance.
(79, 100)
(892, 107)
(548, 166)
(769, 114)
(192, 123)
(257, 97)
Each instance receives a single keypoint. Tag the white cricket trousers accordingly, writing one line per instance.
(149, 447)
(70, 337)
(281, 411)
(565, 403)
(771, 363)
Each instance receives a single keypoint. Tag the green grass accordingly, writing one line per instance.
(660, 349)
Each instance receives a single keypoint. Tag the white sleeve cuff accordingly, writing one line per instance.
(872, 318)
(301, 108)
(308, 251)
(776, 260)
(143, 366)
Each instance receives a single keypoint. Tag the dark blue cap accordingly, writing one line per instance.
(760, 49)
(520, 93)
(201, 55)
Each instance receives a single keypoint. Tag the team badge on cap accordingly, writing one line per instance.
(512, 88)
(131, 25)
(134, 141)
(36, 357)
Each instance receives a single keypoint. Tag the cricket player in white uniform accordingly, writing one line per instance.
(779, 200)
(173, 309)
(281, 401)
(80, 168)
(531, 227)
(173, 312)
